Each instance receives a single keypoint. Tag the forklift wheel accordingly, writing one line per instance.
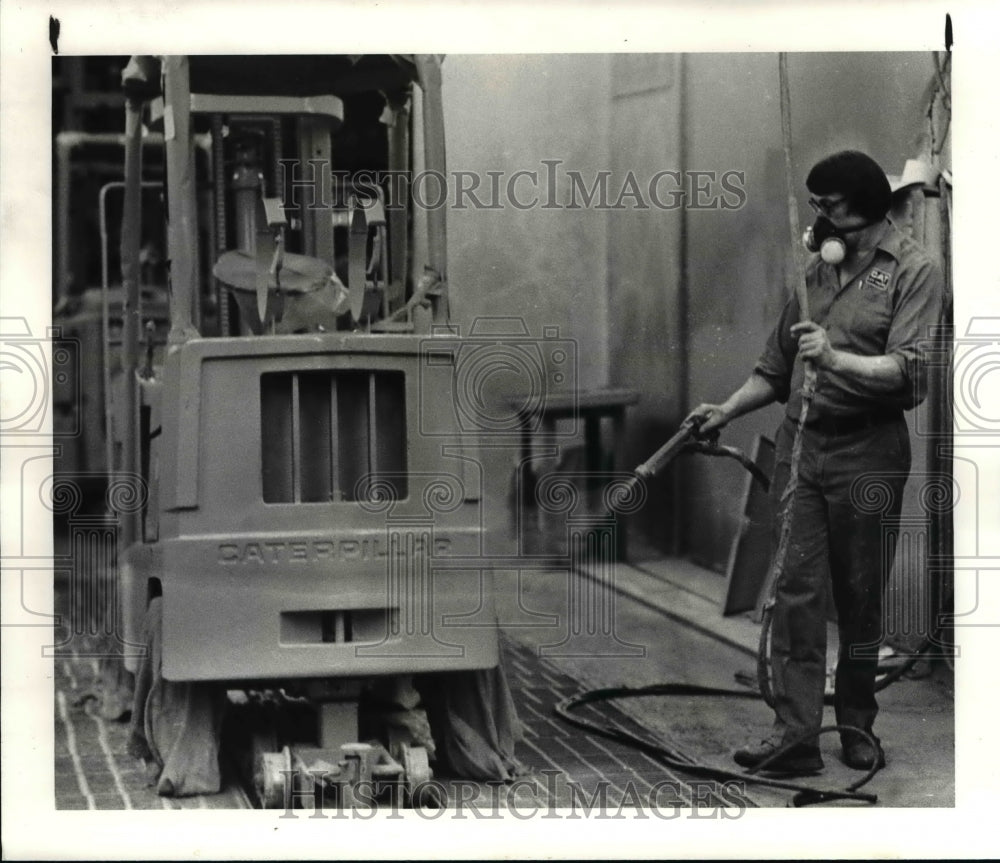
(274, 778)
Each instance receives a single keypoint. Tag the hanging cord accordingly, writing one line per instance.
(943, 89)
(808, 391)
(942, 93)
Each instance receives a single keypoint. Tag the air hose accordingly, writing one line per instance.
(686, 440)
(805, 794)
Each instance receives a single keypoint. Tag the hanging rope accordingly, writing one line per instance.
(941, 93)
(808, 391)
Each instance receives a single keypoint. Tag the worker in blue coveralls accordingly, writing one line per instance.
(874, 297)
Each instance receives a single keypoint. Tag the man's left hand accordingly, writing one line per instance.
(814, 344)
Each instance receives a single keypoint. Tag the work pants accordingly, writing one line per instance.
(848, 499)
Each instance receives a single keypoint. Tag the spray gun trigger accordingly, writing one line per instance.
(696, 432)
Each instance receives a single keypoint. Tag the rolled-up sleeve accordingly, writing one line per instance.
(917, 313)
(776, 362)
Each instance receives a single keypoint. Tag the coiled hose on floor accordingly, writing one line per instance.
(805, 794)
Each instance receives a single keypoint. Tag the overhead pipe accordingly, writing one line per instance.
(399, 148)
(131, 235)
(102, 210)
(429, 76)
(66, 143)
(418, 215)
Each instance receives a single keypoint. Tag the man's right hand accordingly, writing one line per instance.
(712, 417)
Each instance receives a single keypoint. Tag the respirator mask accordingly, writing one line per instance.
(826, 238)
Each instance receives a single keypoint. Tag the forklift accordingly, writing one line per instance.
(282, 562)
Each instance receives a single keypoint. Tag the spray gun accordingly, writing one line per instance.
(689, 439)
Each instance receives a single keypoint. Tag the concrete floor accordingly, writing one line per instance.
(93, 769)
(673, 631)
(667, 626)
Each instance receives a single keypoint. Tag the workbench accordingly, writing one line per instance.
(537, 423)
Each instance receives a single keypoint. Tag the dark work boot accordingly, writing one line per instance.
(858, 753)
(802, 759)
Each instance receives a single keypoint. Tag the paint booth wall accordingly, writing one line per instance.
(735, 262)
(509, 256)
(512, 254)
(673, 302)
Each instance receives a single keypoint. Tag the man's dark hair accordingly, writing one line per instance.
(858, 178)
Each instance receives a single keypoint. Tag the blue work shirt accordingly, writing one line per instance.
(889, 309)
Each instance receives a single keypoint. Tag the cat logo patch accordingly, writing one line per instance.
(878, 279)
